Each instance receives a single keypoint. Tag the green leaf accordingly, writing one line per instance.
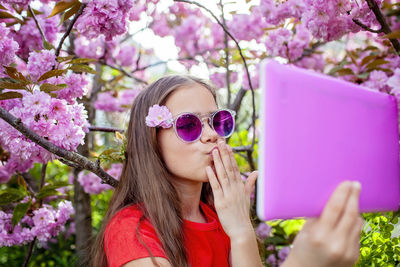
(108, 152)
(62, 6)
(35, 11)
(10, 95)
(70, 12)
(82, 68)
(48, 87)
(15, 74)
(19, 212)
(11, 195)
(2, 7)
(6, 15)
(367, 59)
(392, 35)
(47, 45)
(81, 60)
(62, 59)
(376, 63)
(50, 74)
(47, 193)
(7, 85)
(345, 71)
(54, 186)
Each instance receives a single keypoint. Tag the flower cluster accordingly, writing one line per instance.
(91, 183)
(274, 260)
(29, 38)
(54, 119)
(76, 86)
(282, 42)
(8, 48)
(43, 224)
(116, 101)
(242, 25)
(40, 62)
(219, 78)
(108, 17)
(90, 48)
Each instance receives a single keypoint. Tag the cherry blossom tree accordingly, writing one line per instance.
(63, 62)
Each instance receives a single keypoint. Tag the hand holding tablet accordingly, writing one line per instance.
(318, 131)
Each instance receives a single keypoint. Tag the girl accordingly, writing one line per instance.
(181, 201)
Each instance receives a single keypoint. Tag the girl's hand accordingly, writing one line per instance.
(333, 239)
(231, 196)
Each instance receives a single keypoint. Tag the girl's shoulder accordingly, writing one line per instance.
(128, 237)
(128, 218)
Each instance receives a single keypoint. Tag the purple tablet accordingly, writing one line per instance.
(317, 131)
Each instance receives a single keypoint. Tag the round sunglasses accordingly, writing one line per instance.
(189, 126)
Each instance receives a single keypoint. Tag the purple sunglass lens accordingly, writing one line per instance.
(223, 123)
(188, 127)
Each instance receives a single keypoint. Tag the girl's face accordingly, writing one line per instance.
(188, 160)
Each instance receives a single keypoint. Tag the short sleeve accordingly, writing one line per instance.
(121, 243)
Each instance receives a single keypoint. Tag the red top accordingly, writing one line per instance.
(206, 243)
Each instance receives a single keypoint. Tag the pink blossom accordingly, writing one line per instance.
(248, 26)
(263, 230)
(116, 101)
(29, 38)
(40, 62)
(394, 82)
(91, 183)
(108, 17)
(159, 116)
(219, 78)
(127, 55)
(90, 48)
(8, 48)
(377, 80)
(255, 79)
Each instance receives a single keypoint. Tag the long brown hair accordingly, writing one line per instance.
(144, 178)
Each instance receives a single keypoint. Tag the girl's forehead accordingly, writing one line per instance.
(194, 99)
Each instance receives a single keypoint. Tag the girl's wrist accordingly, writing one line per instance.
(243, 235)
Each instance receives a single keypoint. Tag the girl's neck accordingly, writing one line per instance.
(189, 195)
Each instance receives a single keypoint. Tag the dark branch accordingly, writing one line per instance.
(238, 100)
(242, 148)
(37, 24)
(69, 163)
(30, 182)
(308, 52)
(382, 21)
(123, 72)
(83, 162)
(228, 74)
(365, 27)
(29, 254)
(68, 31)
(105, 129)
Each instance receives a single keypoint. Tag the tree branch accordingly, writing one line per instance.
(123, 71)
(29, 254)
(71, 164)
(227, 76)
(68, 31)
(365, 27)
(382, 21)
(83, 162)
(37, 24)
(105, 129)
(30, 182)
